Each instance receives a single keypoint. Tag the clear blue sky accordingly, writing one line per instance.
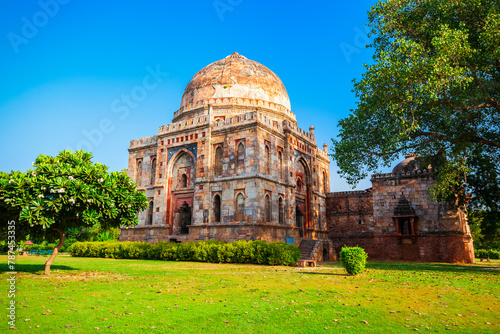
(64, 62)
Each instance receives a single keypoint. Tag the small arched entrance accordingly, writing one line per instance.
(404, 217)
(303, 197)
(299, 219)
(184, 217)
(216, 208)
(181, 179)
(149, 216)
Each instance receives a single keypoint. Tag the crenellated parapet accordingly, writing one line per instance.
(235, 102)
(402, 175)
(183, 125)
(143, 142)
(322, 154)
(235, 120)
(270, 122)
(349, 193)
(293, 128)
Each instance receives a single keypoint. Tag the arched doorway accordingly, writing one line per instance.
(239, 208)
(303, 196)
(149, 215)
(267, 209)
(216, 208)
(181, 179)
(299, 219)
(281, 210)
(184, 218)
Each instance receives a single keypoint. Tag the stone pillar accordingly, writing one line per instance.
(289, 197)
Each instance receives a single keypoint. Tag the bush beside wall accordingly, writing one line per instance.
(487, 254)
(256, 252)
(353, 259)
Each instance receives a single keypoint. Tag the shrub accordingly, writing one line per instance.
(67, 244)
(494, 254)
(258, 252)
(481, 253)
(487, 254)
(353, 259)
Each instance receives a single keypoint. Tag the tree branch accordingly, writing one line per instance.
(471, 139)
(480, 84)
(399, 149)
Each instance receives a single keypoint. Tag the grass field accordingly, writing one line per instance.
(87, 295)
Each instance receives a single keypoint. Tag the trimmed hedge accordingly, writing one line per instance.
(39, 247)
(353, 259)
(256, 252)
(487, 254)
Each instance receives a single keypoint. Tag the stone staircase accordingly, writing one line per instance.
(308, 249)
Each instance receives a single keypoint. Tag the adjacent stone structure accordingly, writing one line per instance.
(396, 219)
(234, 165)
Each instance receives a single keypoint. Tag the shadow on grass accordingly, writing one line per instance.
(443, 267)
(321, 273)
(36, 268)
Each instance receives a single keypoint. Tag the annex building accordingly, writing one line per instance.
(233, 165)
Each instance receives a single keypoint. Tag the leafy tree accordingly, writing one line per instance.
(482, 223)
(433, 89)
(65, 192)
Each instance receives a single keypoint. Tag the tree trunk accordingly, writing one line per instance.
(56, 250)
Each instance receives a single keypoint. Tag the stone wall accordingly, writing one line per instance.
(349, 213)
(369, 219)
(179, 168)
(432, 248)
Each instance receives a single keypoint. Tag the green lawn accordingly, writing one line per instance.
(87, 295)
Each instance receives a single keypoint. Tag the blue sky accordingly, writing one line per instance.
(64, 63)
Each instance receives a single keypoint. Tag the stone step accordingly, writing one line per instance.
(306, 248)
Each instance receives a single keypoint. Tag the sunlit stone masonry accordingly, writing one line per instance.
(396, 219)
(234, 165)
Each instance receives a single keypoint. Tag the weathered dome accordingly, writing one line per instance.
(408, 164)
(236, 77)
(411, 163)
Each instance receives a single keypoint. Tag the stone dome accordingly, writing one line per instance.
(236, 77)
(411, 163)
(408, 164)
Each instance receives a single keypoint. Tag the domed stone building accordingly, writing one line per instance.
(233, 164)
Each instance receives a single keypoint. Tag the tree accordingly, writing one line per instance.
(433, 89)
(67, 191)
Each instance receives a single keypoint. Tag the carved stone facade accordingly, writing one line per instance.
(396, 219)
(233, 165)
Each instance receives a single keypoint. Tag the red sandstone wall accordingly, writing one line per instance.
(349, 213)
(438, 248)
(377, 236)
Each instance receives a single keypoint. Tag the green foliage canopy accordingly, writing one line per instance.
(434, 87)
(66, 191)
